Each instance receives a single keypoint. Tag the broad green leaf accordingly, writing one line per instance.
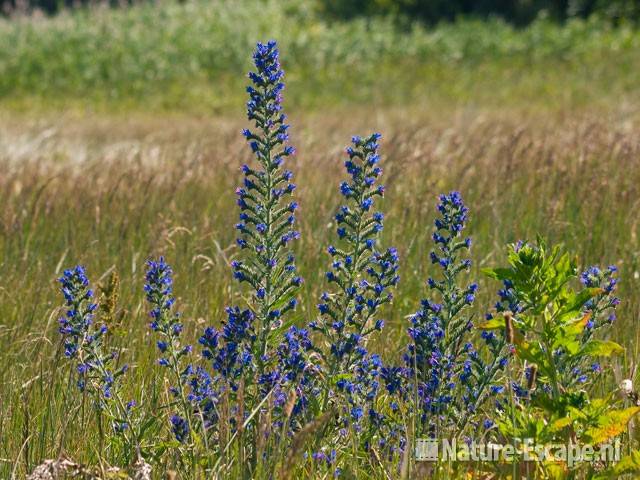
(611, 424)
(572, 347)
(498, 273)
(576, 301)
(567, 336)
(576, 413)
(565, 268)
(493, 324)
(532, 353)
(602, 348)
(560, 424)
(576, 326)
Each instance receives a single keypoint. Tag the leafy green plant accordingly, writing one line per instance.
(554, 330)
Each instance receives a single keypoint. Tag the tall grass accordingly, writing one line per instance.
(188, 55)
(112, 194)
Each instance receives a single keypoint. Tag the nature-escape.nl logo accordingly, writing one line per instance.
(451, 450)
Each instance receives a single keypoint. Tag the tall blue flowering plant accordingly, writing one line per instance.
(362, 277)
(173, 355)
(448, 378)
(272, 353)
(97, 370)
(247, 391)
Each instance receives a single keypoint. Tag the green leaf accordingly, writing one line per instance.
(576, 326)
(572, 347)
(532, 353)
(611, 424)
(498, 273)
(565, 269)
(602, 348)
(559, 424)
(493, 324)
(567, 336)
(576, 301)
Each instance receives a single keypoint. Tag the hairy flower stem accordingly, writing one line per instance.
(186, 410)
(268, 297)
(120, 411)
(512, 405)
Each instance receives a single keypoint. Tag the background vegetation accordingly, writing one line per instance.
(189, 56)
(119, 139)
(519, 12)
(431, 11)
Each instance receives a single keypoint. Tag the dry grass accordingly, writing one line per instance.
(110, 192)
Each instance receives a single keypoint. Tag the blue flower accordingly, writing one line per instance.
(362, 278)
(495, 389)
(602, 304)
(591, 277)
(76, 324)
(356, 413)
(180, 428)
(229, 350)
(83, 343)
(165, 321)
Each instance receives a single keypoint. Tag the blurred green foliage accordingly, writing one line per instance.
(519, 12)
(189, 56)
(431, 11)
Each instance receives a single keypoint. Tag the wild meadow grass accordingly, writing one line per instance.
(113, 193)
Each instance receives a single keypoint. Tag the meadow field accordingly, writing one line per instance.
(120, 142)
